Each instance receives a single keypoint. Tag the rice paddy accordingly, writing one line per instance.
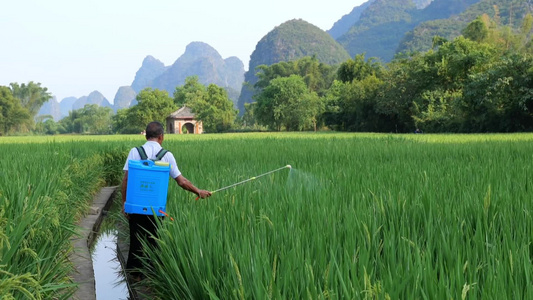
(358, 216)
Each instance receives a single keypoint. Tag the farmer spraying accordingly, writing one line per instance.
(142, 222)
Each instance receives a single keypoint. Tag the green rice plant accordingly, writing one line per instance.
(359, 216)
(45, 189)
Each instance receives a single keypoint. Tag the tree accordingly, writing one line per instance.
(525, 41)
(477, 30)
(248, 118)
(152, 105)
(501, 98)
(191, 91)
(69, 124)
(12, 113)
(358, 69)
(32, 96)
(287, 103)
(96, 119)
(121, 124)
(215, 110)
(45, 124)
(317, 76)
(351, 106)
(91, 119)
(48, 126)
(211, 104)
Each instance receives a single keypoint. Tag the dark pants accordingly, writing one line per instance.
(142, 227)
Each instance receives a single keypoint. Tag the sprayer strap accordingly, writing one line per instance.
(142, 153)
(160, 154)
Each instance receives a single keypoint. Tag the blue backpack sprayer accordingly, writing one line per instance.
(148, 184)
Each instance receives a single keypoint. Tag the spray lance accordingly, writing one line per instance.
(250, 179)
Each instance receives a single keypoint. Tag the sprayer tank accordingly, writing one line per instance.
(147, 187)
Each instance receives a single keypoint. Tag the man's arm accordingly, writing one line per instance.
(185, 184)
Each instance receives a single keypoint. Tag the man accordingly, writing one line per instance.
(144, 226)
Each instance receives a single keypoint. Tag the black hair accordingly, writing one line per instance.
(154, 130)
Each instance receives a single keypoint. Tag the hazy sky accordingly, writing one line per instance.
(75, 47)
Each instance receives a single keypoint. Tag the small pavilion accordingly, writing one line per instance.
(183, 121)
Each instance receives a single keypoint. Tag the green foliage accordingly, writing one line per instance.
(483, 29)
(19, 105)
(92, 119)
(191, 91)
(287, 103)
(501, 98)
(477, 30)
(351, 102)
(40, 208)
(437, 91)
(420, 39)
(351, 106)
(32, 96)
(152, 105)
(12, 114)
(121, 123)
(505, 13)
(432, 85)
(248, 118)
(317, 76)
(211, 104)
(46, 125)
(358, 69)
(215, 109)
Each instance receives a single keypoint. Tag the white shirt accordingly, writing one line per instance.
(152, 148)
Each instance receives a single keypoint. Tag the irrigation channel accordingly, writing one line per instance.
(109, 278)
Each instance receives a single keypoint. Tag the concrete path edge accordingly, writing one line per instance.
(89, 226)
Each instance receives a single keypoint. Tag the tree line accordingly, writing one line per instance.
(481, 81)
(20, 104)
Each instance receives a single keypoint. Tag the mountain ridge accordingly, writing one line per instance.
(290, 40)
(382, 26)
(199, 59)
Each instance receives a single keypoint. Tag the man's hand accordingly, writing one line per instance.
(203, 194)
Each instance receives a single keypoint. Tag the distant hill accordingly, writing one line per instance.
(59, 110)
(150, 69)
(290, 41)
(124, 98)
(94, 98)
(52, 108)
(382, 26)
(200, 60)
(421, 37)
(66, 105)
(347, 21)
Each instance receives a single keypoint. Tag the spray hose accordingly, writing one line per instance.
(249, 179)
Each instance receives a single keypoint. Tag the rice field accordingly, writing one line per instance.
(373, 216)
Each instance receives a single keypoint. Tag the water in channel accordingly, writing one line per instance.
(110, 284)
